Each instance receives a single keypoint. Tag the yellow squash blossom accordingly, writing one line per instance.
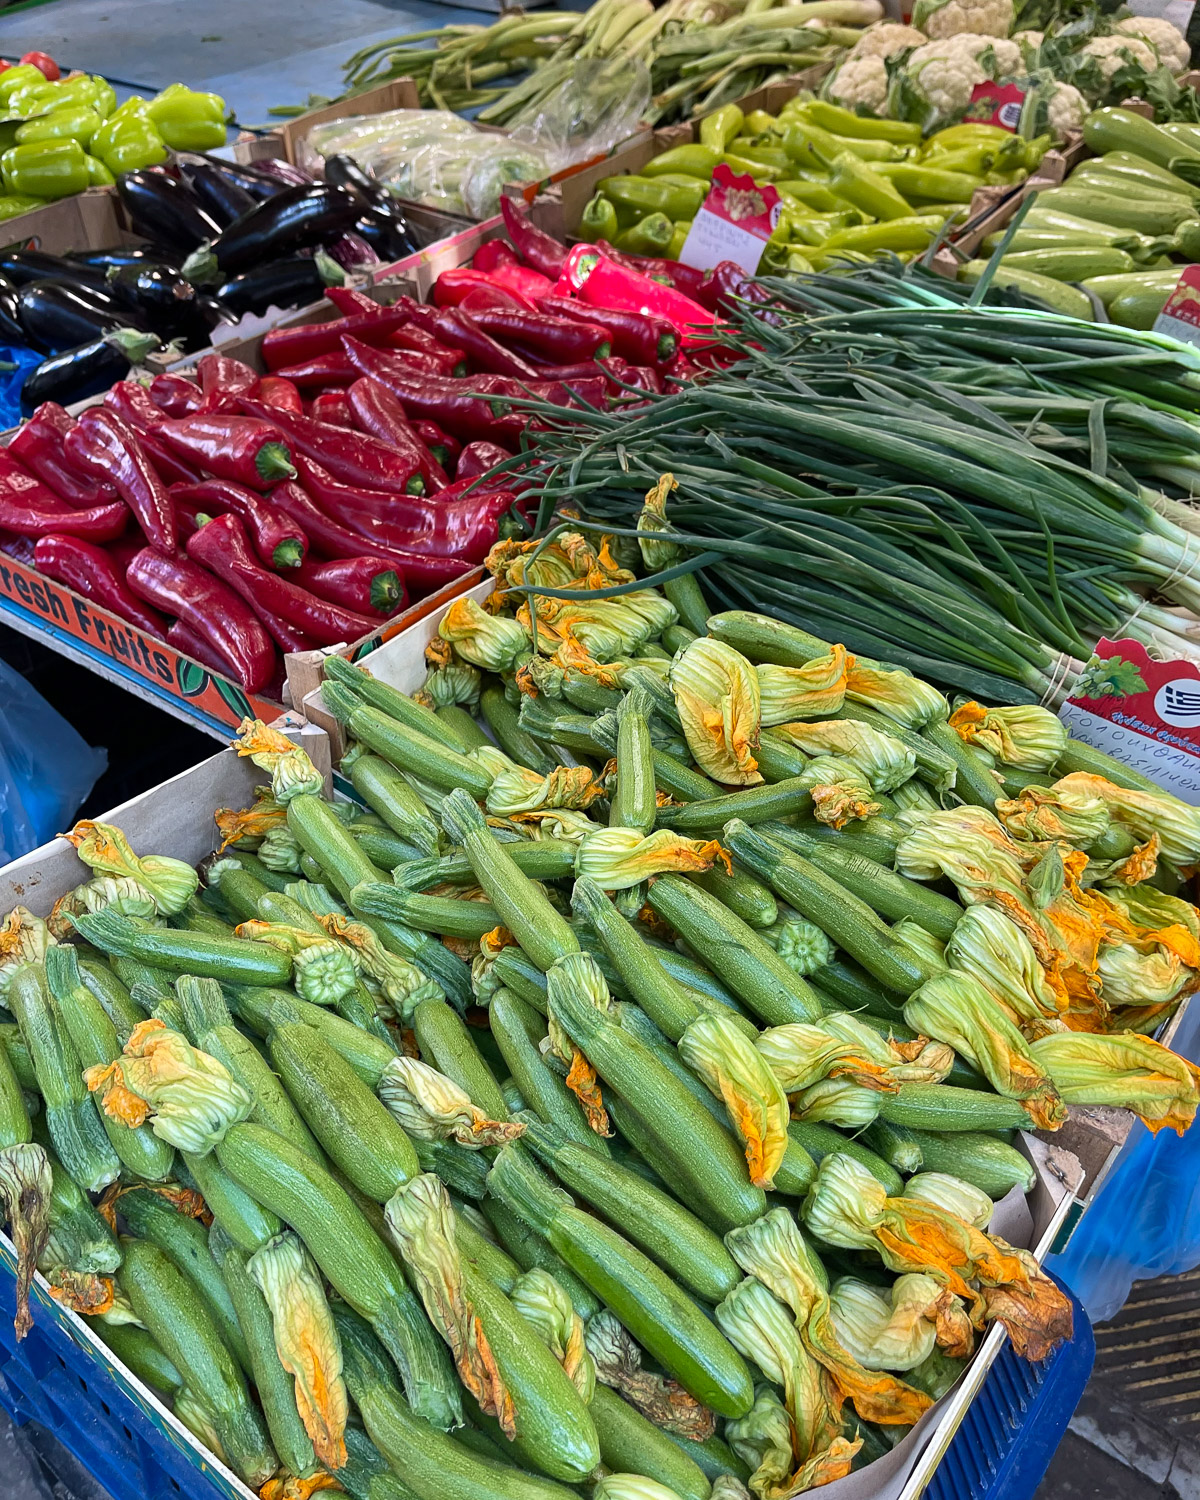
(323, 971)
(1143, 813)
(25, 1186)
(620, 858)
(839, 789)
(900, 1327)
(1125, 1070)
(24, 939)
(171, 882)
(990, 947)
(899, 696)
(618, 1362)
(1039, 814)
(488, 641)
(657, 553)
(235, 825)
(289, 767)
(548, 1310)
(402, 985)
(432, 1107)
(885, 761)
(716, 693)
(517, 789)
(1023, 736)
(721, 1055)
(816, 690)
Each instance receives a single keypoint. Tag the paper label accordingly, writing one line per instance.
(734, 223)
(1142, 712)
(996, 104)
(1180, 317)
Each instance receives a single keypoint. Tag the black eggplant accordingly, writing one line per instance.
(286, 283)
(86, 370)
(343, 171)
(120, 255)
(299, 216)
(164, 210)
(249, 177)
(62, 314)
(158, 294)
(11, 331)
(220, 198)
(211, 311)
(390, 238)
(23, 266)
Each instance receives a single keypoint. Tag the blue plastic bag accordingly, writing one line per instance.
(1145, 1220)
(11, 381)
(46, 768)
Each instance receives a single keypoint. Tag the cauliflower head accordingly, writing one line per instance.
(1066, 111)
(1028, 41)
(885, 39)
(861, 82)
(1112, 53)
(945, 75)
(945, 18)
(997, 55)
(1166, 41)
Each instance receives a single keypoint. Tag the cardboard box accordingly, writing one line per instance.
(284, 142)
(91, 220)
(558, 207)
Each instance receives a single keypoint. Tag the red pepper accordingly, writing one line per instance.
(493, 253)
(223, 380)
(453, 287)
(110, 449)
(320, 372)
(21, 549)
(368, 585)
(349, 302)
(131, 402)
(448, 361)
(169, 467)
(210, 609)
(285, 636)
(561, 341)
(280, 543)
(282, 347)
(572, 387)
(185, 640)
(376, 411)
(175, 395)
(439, 399)
(489, 295)
(601, 282)
(39, 445)
(422, 574)
(533, 245)
(454, 326)
(346, 501)
(96, 574)
(333, 407)
(444, 448)
(529, 285)
(353, 457)
(247, 450)
(223, 546)
(687, 280)
(638, 337)
(277, 392)
(127, 546)
(622, 373)
(479, 458)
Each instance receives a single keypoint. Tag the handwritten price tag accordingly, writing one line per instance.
(734, 223)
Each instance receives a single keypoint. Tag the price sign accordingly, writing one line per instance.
(996, 104)
(1181, 316)
(734, 223)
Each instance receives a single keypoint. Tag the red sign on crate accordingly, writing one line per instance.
(734, 223)
(1180, 317)
(1143, 712)
(996, 104)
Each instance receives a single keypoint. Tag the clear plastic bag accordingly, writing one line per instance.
(598, 107)
(46, 768)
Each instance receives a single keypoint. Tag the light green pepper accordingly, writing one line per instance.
(77, 122)
(756, 169)
(649, 237)
(678, 239)
(913, 233)
(874, 194)
(690, 161)
(839, 121)
(45, 169)
(23, 76)
(719, 128)
(919, 181)
(598, 221)
(128, 143)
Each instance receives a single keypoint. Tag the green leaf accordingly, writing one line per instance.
(192, 679)
(234, 698)
(1112, 678)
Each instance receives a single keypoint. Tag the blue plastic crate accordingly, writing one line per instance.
(1016, 1421)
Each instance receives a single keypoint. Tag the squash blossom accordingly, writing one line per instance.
(1039, 814)
(402, 985)
(517, 789)
(923, 943)
(1131, 977)
(847, 1207)
(547, 1309)
(118, 893)
(606, 628)
(25, 1185)
(726, 1062)
(84, 1292)
(1157, 913)
(816, 690)
(455, 684)
(421, 1222)
(840, 791)
(171, 882)
(280, 850)
(990, 948)
(248, 824)
(803, 1053)
(323, 972)
(801, 944)
(487, 641)
(513, 563)
(716, 693)
(898, 1328)
(631, 1487)
(564, 823)
(290, 769)
(190, 1096)
(658, 553)
(952, 1194)
(196, 1417)
(24, 939)
(881, 758)
(774, 1251)
(899, 696)
(306, 1341)
(959, 1011)
(618, 858)
(760, 1327)
(1143, 813)
(433, 1108)
(618, 1362)
(1023, 736)
(575, 980)
(836, 1101)
(1123, 1069)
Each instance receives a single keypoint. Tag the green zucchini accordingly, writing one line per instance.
(433, 760)
(433, 958)
(118, 1004)
(1080, 757)
(646, 1215)
(351, 1255)
(518, 1030)
(322, 834)
(878, 838)
(757, 804)
(71, 1115)
(849, 987)
(445, 1038)
(141, 1356)
(762, 638)
(940, 1106)
(384, 789)
(365, 1474)
(434, 1466)
(661, 1317)
(934, 765)
(743, 960)
(985, 1161)
(897, 1145)
(529, 1250)
(262, 1008)
(713, 1457)
(151, 985)
(974, 780)
(238, 888)
(634, 803)
(179, 1322)
(821, 1140)
(745, 897)
(275, 880)
(94, 1039)
(778, 759)
(390, 701)
(184, 1242)
(464, 725)
(246, 1222)
(383, 847)
(228, 959)
(631, 1444)
(503, 719)
(447, 916)
(541, 859)
(18, 1056)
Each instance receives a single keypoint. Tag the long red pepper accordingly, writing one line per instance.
(493, 253)
(279, 543)
(444, 448)
(285, 636)
(283, 347)
(449, 361)
(621, 373)
(343, 501)
(349, 301)
(223, 380)
(210, 609)
(39, 445)
(20, 548)
(455, 326)
(110, 449)
(96, 574)
(438, 399)
(558, 341)
(529, 285)
(186, 641)
(421, 573)
(223, 546)
(28, 507)
(369, 585)
(321, 371)
(169, 467)
(246, 450)
(352, 457)
(455, 287)
(533, 245)
(131, 402)
(640, 338)
(175, 395)
(376, 411)
(333, 407)
(479, 458)
(277, 392)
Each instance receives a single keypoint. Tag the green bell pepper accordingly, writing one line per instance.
(124, 145)
(649, 237)
(690, 161)
(598, 221)
(719, 128)
(678, 239)
(188, 120)
(12, 204)
(23, 76)
(45, 169)
(77, 122)
(646, 196)
(98, 173)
